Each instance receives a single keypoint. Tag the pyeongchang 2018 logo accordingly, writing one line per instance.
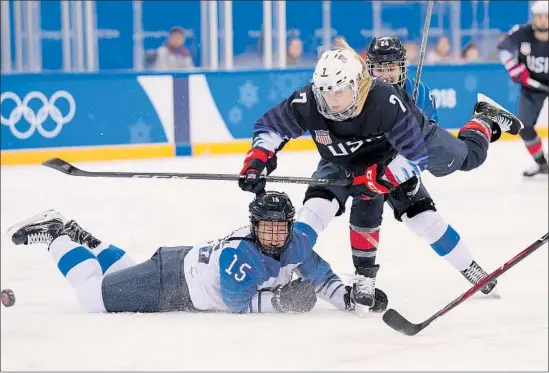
(36, 112)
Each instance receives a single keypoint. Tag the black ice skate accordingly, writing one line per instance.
(499, 119)
(81, 236)
(538, 169)
(363, 292)
(475, 273)
(42, 228)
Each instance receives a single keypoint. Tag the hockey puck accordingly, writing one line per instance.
(8, 297)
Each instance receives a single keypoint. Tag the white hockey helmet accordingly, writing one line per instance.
(336, 82)
(540, 10)
(540, 7)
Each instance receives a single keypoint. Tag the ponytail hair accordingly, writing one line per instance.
(365, 80)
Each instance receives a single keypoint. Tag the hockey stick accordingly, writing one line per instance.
(396, 321)
(426, 26)
(538, 85)
(69, 169)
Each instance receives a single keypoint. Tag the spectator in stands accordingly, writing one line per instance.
(470, 53)
(441, 53)
(150, 58)
(411, 52)
(295, 52)
(173, 55)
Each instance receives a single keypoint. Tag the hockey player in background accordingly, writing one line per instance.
(525, 54)
(372, 133)
(249, 271)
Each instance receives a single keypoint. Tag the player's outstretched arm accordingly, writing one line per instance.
(271, 132)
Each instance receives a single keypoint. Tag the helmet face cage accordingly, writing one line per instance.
(378, 68)
(275, 208)
(384, 51)
(323, 107)
(266, 234)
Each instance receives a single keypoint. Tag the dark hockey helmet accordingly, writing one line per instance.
(272, 221)
(386, 58)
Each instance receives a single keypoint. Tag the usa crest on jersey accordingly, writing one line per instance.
(525, 48)
(323, 137)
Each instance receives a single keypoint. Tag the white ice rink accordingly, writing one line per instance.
(493, 208)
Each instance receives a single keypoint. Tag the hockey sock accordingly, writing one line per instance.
(442, 238)
(112, 258)
(535, 148)
(82, 269)
(364, 243)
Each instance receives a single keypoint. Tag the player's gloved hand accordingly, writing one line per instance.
(258, 161)
(408, 189)
(297, 296)
(379, 306)
(373, 182)
(519, 73)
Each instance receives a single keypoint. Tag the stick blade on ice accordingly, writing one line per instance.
(396, 321)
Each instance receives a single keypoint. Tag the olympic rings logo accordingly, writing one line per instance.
(37, 119)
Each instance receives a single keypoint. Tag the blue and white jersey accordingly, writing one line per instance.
(233, 275)
(425, 98)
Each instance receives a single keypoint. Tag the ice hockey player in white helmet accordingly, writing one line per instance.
(372, 133)
(249, 271)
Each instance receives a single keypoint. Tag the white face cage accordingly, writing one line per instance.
(324, 108)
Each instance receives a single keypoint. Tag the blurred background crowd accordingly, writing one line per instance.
(152, 35)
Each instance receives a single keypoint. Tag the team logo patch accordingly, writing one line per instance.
(525, 48)
(323, 137)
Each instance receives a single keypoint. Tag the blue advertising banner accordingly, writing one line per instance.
(69, 110)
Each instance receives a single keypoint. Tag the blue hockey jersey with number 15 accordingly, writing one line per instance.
(233, 275)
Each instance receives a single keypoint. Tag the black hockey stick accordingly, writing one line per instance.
(396, 321)
(538, 85)
(69, 169)
(424, 37)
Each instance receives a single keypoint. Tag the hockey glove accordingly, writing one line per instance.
(297, 296)
(519, 73)
(379, 306)
(256, 162)
(373, 182)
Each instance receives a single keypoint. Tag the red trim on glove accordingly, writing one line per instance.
(369, 180)
(390, 177)
(259, 154)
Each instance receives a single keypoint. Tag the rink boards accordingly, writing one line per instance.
(104, 116)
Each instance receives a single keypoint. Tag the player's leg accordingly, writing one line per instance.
(469, 149)
(412, 204)
(77, 263)
(365, 221)
(110, 257)
(322, 203)
(529, 108)
(156, 285)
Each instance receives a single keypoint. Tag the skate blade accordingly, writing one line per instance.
(483, 98)
(38, 218)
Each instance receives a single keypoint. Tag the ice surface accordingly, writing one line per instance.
(493, 208)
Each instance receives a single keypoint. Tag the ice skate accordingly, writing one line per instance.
(474, 274)
(42, 228)
(500, 119)
(539, 169)
(80, 235)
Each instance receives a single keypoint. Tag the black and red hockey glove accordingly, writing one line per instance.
(374, 181)
(256, 162)
(519, 73)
